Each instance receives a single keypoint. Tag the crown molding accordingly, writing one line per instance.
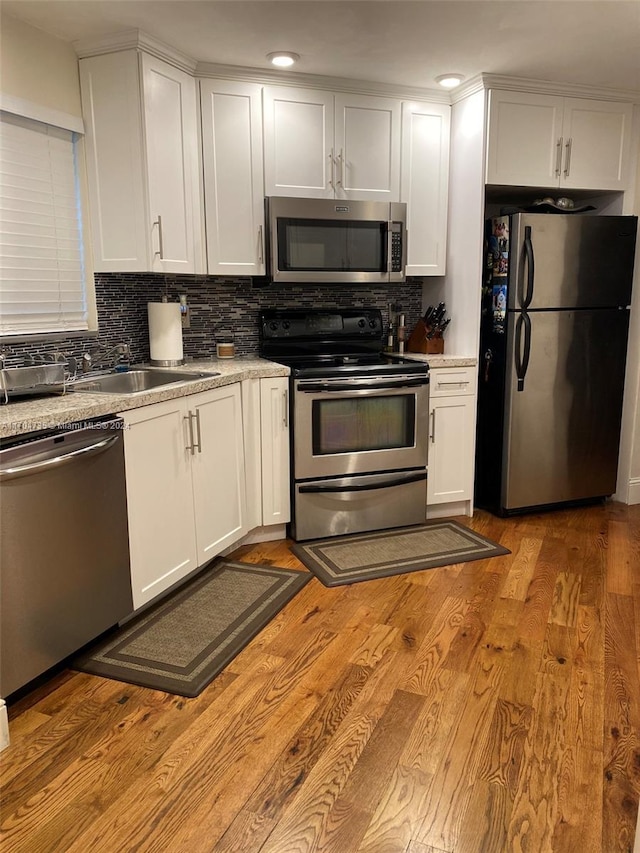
(134, 40)
(546, 87)
(464, 90)
(139, 40)
(294, 79)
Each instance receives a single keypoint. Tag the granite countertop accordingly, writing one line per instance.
(38, 413)
(17, 418)
(441, 360)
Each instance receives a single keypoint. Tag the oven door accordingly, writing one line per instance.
(359, 425)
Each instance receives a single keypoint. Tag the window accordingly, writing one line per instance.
(45, 286)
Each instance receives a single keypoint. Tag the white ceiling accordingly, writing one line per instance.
(390, 41)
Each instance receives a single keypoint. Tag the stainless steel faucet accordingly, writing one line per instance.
(105, 357)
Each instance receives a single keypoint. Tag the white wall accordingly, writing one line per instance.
(38, 67)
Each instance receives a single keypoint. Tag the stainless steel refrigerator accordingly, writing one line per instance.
(553, 343)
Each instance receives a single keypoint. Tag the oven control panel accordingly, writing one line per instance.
(334, 324)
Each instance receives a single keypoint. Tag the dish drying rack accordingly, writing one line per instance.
(43, 375)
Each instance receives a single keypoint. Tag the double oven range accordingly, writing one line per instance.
(359, 422)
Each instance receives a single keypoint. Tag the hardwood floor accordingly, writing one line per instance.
(488, 706)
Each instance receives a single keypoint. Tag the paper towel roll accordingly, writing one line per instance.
(165, 331)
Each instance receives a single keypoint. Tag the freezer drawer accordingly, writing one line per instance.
(338, 506)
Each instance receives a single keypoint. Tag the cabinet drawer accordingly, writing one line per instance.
(454, 381)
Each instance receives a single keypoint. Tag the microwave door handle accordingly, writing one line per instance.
(389, 248)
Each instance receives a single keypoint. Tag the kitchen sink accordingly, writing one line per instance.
(135, 381)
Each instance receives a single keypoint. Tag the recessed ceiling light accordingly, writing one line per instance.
(450, 81)
(283, 58)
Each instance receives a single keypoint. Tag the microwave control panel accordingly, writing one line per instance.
(396, 247)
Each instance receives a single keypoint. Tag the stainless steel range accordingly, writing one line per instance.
(359, 422)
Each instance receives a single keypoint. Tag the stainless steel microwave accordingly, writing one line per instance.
(336, 241)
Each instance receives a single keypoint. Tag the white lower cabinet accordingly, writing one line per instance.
(185, 486)
(451, 441)
(265, 406)
(274, 431)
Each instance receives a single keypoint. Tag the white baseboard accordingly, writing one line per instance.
(261, 534)
(634, 493)
(450, 509)
(4, 726)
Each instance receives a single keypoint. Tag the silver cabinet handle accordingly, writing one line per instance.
(567, 161)
(260, 245)
(333, 169)
(198, 444)
(190, 447)
(57, 461)
(285, 419)
(342, 168)
(191, 417)
(558, 157)
(433, 427)
(160, 251)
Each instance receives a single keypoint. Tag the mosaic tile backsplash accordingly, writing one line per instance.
(215, 304)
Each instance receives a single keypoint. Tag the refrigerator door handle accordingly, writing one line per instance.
(522, 354)
(527, 297)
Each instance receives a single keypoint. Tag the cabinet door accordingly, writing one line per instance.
(597, 144)
(171, 137)
(425, 185)
(159, 498)
(524, 146)
(298, 142)
(367, 147)
(451, 436)
(252, 450)
(217, 466)
(233, 178)
(110, 87)
(274, 417)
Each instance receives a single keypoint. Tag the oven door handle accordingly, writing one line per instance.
(382, 484)
(315, 387)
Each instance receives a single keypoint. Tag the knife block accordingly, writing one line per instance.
(418, 341)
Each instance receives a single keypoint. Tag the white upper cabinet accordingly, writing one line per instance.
(321, 145)
(597, 144)
(298, 142)
(233, 176)
(142, 157)
(425, 184)
(367, 147)
(540, 140)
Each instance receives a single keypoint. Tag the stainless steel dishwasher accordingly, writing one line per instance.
(64, 545)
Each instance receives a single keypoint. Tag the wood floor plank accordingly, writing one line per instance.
(620, 574)
(486, 707)
(280, 784)
(565, 599)
(523, 565)
(399, 813)
(535, 809)
(450, 795)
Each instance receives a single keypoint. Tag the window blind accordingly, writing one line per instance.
(42, 265)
